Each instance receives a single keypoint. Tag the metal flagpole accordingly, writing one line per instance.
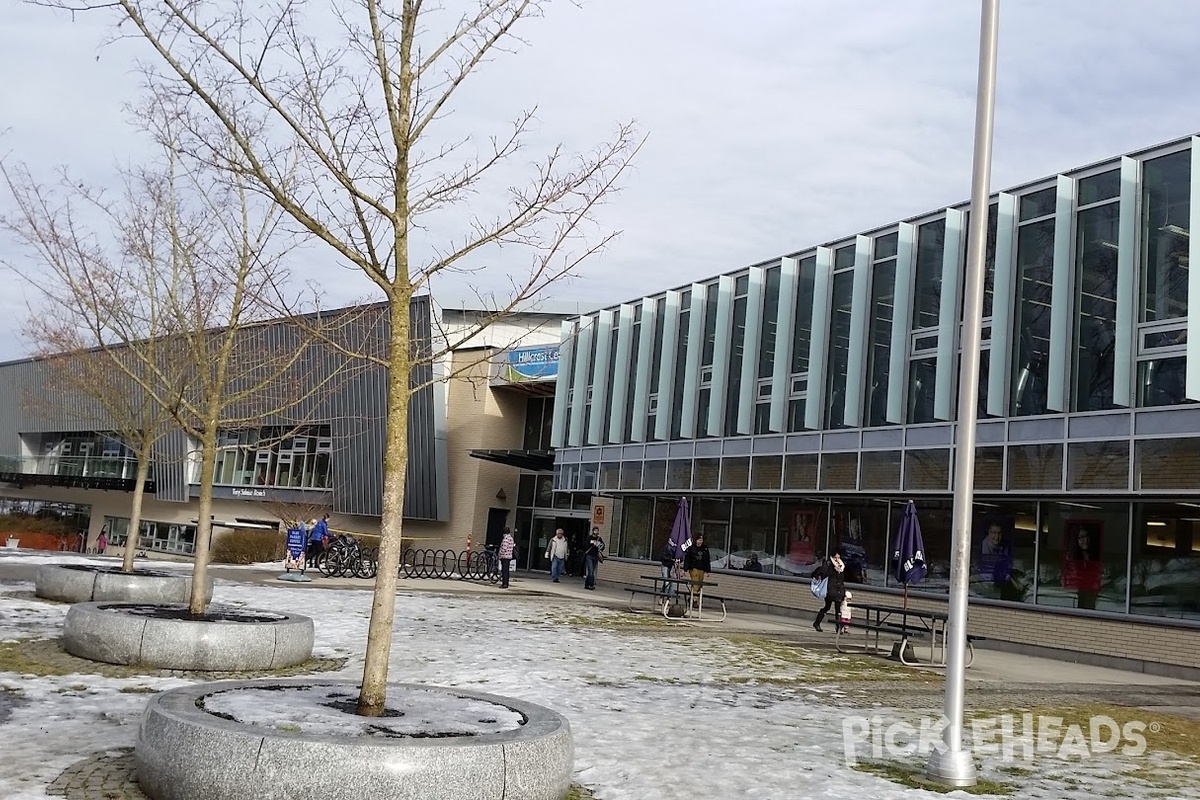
(954, 766)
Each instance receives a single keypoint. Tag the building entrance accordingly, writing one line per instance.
(575, 528)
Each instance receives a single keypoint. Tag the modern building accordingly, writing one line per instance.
(487, 396)
(802, 402)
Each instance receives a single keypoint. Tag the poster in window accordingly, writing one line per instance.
(800, 538)
(1082, 547)
(996, 550)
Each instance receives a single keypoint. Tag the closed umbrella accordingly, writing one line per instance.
(909, 558)
(681, 529)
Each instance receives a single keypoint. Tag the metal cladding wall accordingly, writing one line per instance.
(353, 404)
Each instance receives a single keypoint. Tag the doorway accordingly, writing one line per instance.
(575, 529)
(495, 527)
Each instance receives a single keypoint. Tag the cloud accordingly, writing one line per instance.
(773, 126)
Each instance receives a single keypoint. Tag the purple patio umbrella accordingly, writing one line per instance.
(681, 529)
(909, 558)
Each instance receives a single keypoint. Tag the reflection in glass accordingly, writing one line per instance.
(1161, 382)
(802, 331)
(879, 341)
(1082, 559)
(839, 350)
(635, 528)
(1038, 204)
(1035, 466)
(860, 529)
(737, 351)
(927, 291)
(1167, 464)
(735, 473)
(766, 349)
(1003, 548)
(1098, 188)
(706, 473)
(751, 536)
(927, 469)
(1096, 307)
(881, 470)
(839, 470)
(710, 517)
(801, 536)
(1031, 345)
(681, 348)
(989, 468)
(1098, 465)
(1166, 561)
(679, 474)
(1166, 213)
(800, 471)
(922, 382)
(937, 526)
(766, 472)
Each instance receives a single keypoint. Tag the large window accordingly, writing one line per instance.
(737, 353)
(1082, 557)
(927, 300)
(635, 537)
(1096, 290)
(681, 351)
(275, 457)
(86, 454)
(860, 529)
(801, 534)
(839, 338)
(801, 341)
(707, 353)
(752, 535)
(161, 537)
(1166, 213)
(879, 337)
(1165, 581)
(539, 418)
(1003, 551)
(766, 350)
(1035, 277)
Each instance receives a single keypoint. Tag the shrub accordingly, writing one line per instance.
(240, 546)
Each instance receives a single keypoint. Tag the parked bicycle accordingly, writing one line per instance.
(347, 557)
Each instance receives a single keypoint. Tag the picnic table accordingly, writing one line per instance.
(666, 590)
(905, 624)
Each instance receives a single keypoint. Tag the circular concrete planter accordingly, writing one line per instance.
(185, 752)
(86, 583)
(168, 637)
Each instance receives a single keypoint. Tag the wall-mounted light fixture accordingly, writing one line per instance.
(500, 495)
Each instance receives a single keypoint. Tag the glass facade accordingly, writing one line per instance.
(281, 457)
(1088, 445)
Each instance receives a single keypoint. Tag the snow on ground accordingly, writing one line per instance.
(656, 713)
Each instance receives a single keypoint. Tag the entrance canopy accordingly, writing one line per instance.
(532, 460)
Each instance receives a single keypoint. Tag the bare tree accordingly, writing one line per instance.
(179, 301)
(359, 92)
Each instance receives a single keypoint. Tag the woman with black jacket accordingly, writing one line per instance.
(835, 589)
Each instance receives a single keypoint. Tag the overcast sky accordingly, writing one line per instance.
(773, 124)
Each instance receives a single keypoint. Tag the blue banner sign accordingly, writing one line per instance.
(531, 364)
(295, 542)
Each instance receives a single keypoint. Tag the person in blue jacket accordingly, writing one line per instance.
(316, 538)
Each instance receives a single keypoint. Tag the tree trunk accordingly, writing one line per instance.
(135, 513)
(395, 468)
(208, 463)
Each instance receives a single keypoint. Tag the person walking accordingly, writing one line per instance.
(698, 564)
(592, 557)
(667, 562)
(557, 551)
(508, 551)
(102, 541)
(835, 588)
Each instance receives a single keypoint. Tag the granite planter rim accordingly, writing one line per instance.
(100, 631)
(182, 704)
(185, 752)
(85, 583)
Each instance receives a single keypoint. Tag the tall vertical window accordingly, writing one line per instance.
(1035, 277)
(681, 349)
(737, 353)
(631, 381)
(766, 350)
(274, 456)
(1097, 226)
(1162, 314)
(801, 339)
(879, 336)
(656, 356)
(927, 303)
(707, 351)
(839, 338)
